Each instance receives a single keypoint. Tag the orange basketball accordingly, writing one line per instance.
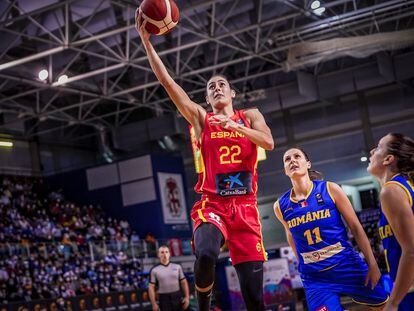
(161, 15)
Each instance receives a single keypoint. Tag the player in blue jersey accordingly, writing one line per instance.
(392, 163)
(311, 213)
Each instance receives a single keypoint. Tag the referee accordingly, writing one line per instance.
(168, 277)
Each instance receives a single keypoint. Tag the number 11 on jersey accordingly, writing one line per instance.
(316, 232)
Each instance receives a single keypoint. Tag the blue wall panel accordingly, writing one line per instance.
(171, 165)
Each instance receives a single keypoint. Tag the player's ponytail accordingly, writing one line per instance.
(313, 175)
(410, 171)
(402, 147)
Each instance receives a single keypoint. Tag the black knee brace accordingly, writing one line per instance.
(251, 282)
(207, 242)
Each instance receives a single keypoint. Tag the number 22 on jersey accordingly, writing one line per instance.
(229, 155)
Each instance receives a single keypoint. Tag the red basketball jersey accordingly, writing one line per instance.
(229, 158)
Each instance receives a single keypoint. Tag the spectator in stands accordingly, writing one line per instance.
(149, 238)
(27, 217)
(134, 237)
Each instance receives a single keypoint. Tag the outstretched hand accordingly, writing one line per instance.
(140, 26)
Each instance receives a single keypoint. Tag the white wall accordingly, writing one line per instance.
(353, 195)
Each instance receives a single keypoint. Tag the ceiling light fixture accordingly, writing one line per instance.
(7, 144)
(43, 74)
(315, 4)
(319, 11)
(63, 79)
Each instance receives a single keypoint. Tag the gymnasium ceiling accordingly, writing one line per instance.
(110, 84)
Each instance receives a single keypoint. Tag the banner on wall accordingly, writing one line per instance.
(173, 204)
(233, 286)
(287, 252)
(277, 286)
(133, 300)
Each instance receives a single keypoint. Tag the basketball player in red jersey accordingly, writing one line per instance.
(228, 210)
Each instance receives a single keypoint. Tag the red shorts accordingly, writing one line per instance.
(238, 220)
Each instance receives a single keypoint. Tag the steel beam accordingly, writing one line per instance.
(98, 71)
(349, 21)
(329, 21)
(30, 58)
(36, 12)
(127, 28)
(58, 40)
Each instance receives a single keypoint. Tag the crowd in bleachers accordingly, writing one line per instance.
(45, 245)
(53, 248)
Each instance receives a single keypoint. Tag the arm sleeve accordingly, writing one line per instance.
(181, 275)
(153, 278)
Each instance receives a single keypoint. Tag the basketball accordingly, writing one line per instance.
(161, 15)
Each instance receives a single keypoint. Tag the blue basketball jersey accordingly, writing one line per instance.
(391, 247)
(317, 229)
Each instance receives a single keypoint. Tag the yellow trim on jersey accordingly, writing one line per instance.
(398, 174)
(255, 187)
(276, 206)
(410, 183)
(329, 268)
(410, 199)
(261, 235)
(386, 260)
(203, 169)
(200, 213)
(307, 195)
(371, 304)
(257, 158)
(329, 191)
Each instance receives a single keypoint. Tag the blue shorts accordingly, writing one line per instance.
(323, 289)
(407, 304)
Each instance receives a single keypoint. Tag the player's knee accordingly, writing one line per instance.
(204, 267)
(206, 258)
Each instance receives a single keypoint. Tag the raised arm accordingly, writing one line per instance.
(397, 209)
(347, 211)
(191, 111)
